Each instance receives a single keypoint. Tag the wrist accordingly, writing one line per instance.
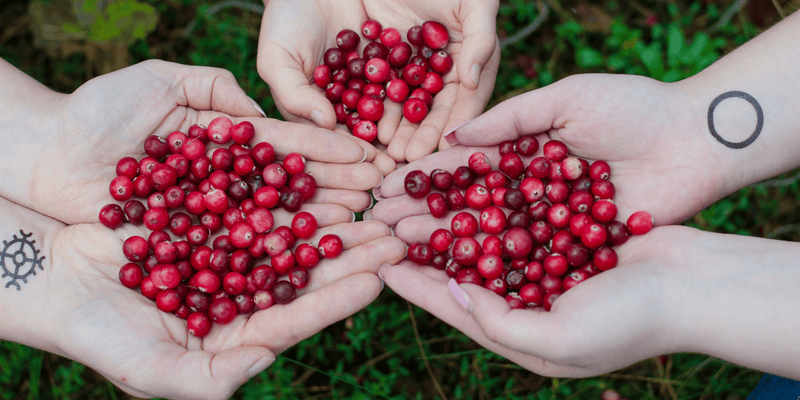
(29, 118)
(740, 302)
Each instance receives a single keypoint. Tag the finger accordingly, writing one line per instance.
(418, 228)
(367, 257)
(340, 129)
(351, 199)
(290, 83)
(397, 146)
(426, 137)
(384, 163)
(195, 374)
(326, 214)
(448, 160)
(480, 37)
(471, 103)
(528, 331)
(414, 284)
(205, 88)
(308, 141)
(282, 326)
(532, 112)
(359, 176)
(390, 121)
(392, 210)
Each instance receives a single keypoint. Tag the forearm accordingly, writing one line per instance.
(742, 301)
(25, 266)
(765, 70)
(27, 110)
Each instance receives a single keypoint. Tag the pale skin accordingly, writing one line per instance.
(295, 35)
(675, 289)
(62, 156)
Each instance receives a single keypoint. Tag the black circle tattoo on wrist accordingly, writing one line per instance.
(19, 259)
(759, 122)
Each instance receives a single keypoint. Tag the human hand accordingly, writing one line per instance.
(149, 353)
(660, 161)
(110, 117)
(287, 60)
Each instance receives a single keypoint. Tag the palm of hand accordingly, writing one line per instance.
(100, 126)
(605, 323)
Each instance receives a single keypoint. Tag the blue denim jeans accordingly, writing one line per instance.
(772, 387)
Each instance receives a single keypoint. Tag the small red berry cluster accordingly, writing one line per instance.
(357, 84)
(208, 189)
(558, 232)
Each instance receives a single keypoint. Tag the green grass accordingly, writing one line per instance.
(378, 352)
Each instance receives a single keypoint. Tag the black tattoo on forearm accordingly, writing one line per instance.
(19, 259)
(759, 122)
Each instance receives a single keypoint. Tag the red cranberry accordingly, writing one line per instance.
(347, 40)
(466, 251)
(441, 62)
(599, 170)
(511, 165)
(640, 223)
(366, 131)
(534, 271)
(593, 236)
(540, 232)
(517, 242)
(420, 253)
(130, 275)
(222, 311)
(618, 233)
(463, 177)
(555, 151)
(463, 225)
(307, 255)
(604, 258)
(417, 184)
(330, 246)
(531, 294)
(111, 216)
(414, 110)
(490, 266)
(527, 145)
(375, 50)
(437, 205)
(493, 220)
(441, 239)
(604, 211)
(435, 35)
(469, 275)
(304, 225)
(455, 199)
(371, 29)
(135, 248)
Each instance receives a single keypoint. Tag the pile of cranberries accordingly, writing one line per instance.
(356, 84)
(193, 191)
(546, 226)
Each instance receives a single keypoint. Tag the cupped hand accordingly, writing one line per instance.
(295, 35)
(607, 322)
(660, 161)
(110, 116)
(149, 353)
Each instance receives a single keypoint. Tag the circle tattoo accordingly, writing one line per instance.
(19, 259)
(759, 122)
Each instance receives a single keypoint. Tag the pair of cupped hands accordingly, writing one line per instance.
(610, 321)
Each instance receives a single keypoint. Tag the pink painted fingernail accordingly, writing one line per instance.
(459, 293)
(450, 137)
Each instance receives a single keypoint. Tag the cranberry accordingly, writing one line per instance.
(304, 225)
(414, 110)
(330, 246)
(540, 232)
(376, 50)
(479, 163)
(452, 268)
(618, 233)
(441, 179)
(580, 201)
(371, 29)
(514, 199)
(420, 253)
(135, 248)
(605, 258)
(434, 34)
(511, 165)
(399, 55)
(534, 271)
(437, 205)
(111, 216)
(365, 130)
(424, 95)
(197, 301)
(466, 251)
(557, 191)
(531, 294)
(464, 225)
(555, 264)
(305, 184)
(490, 266)
(604, 211)
(417, 184)
(222, 311)
(441, 62)
(577, 255)
(571, 168)
(539, 168)
(593, 236)
(599, 170)
(555, 151)
(559, 216)
(463, 177)
(441, 239)
(640, 223)
(455, 199)
(347, 40)
(307, 255)
(322, 76)
(493, 220)
(478, 197)
(130, 275)
(469, 275)
(283, 292)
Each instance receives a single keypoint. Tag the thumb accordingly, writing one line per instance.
(479, 43)
(290, 86)
(529, 113)
(520, 330)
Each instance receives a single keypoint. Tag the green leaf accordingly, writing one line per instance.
(588, 57)
(692, 53)
(651, 57)
(674, 44)
(616, 63)
(671, 76)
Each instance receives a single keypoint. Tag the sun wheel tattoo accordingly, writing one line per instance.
(19, 259)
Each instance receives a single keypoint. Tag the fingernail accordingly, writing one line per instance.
(380, 272)
(391, 230)
(365, 155)
(475, 73)
(259, 366)
(367, 216)
(376, 193)
(371, 203)
(450, 136)
(257, 106)
(460, 294)
(317, 118)
(353, 219)
(382, 177)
